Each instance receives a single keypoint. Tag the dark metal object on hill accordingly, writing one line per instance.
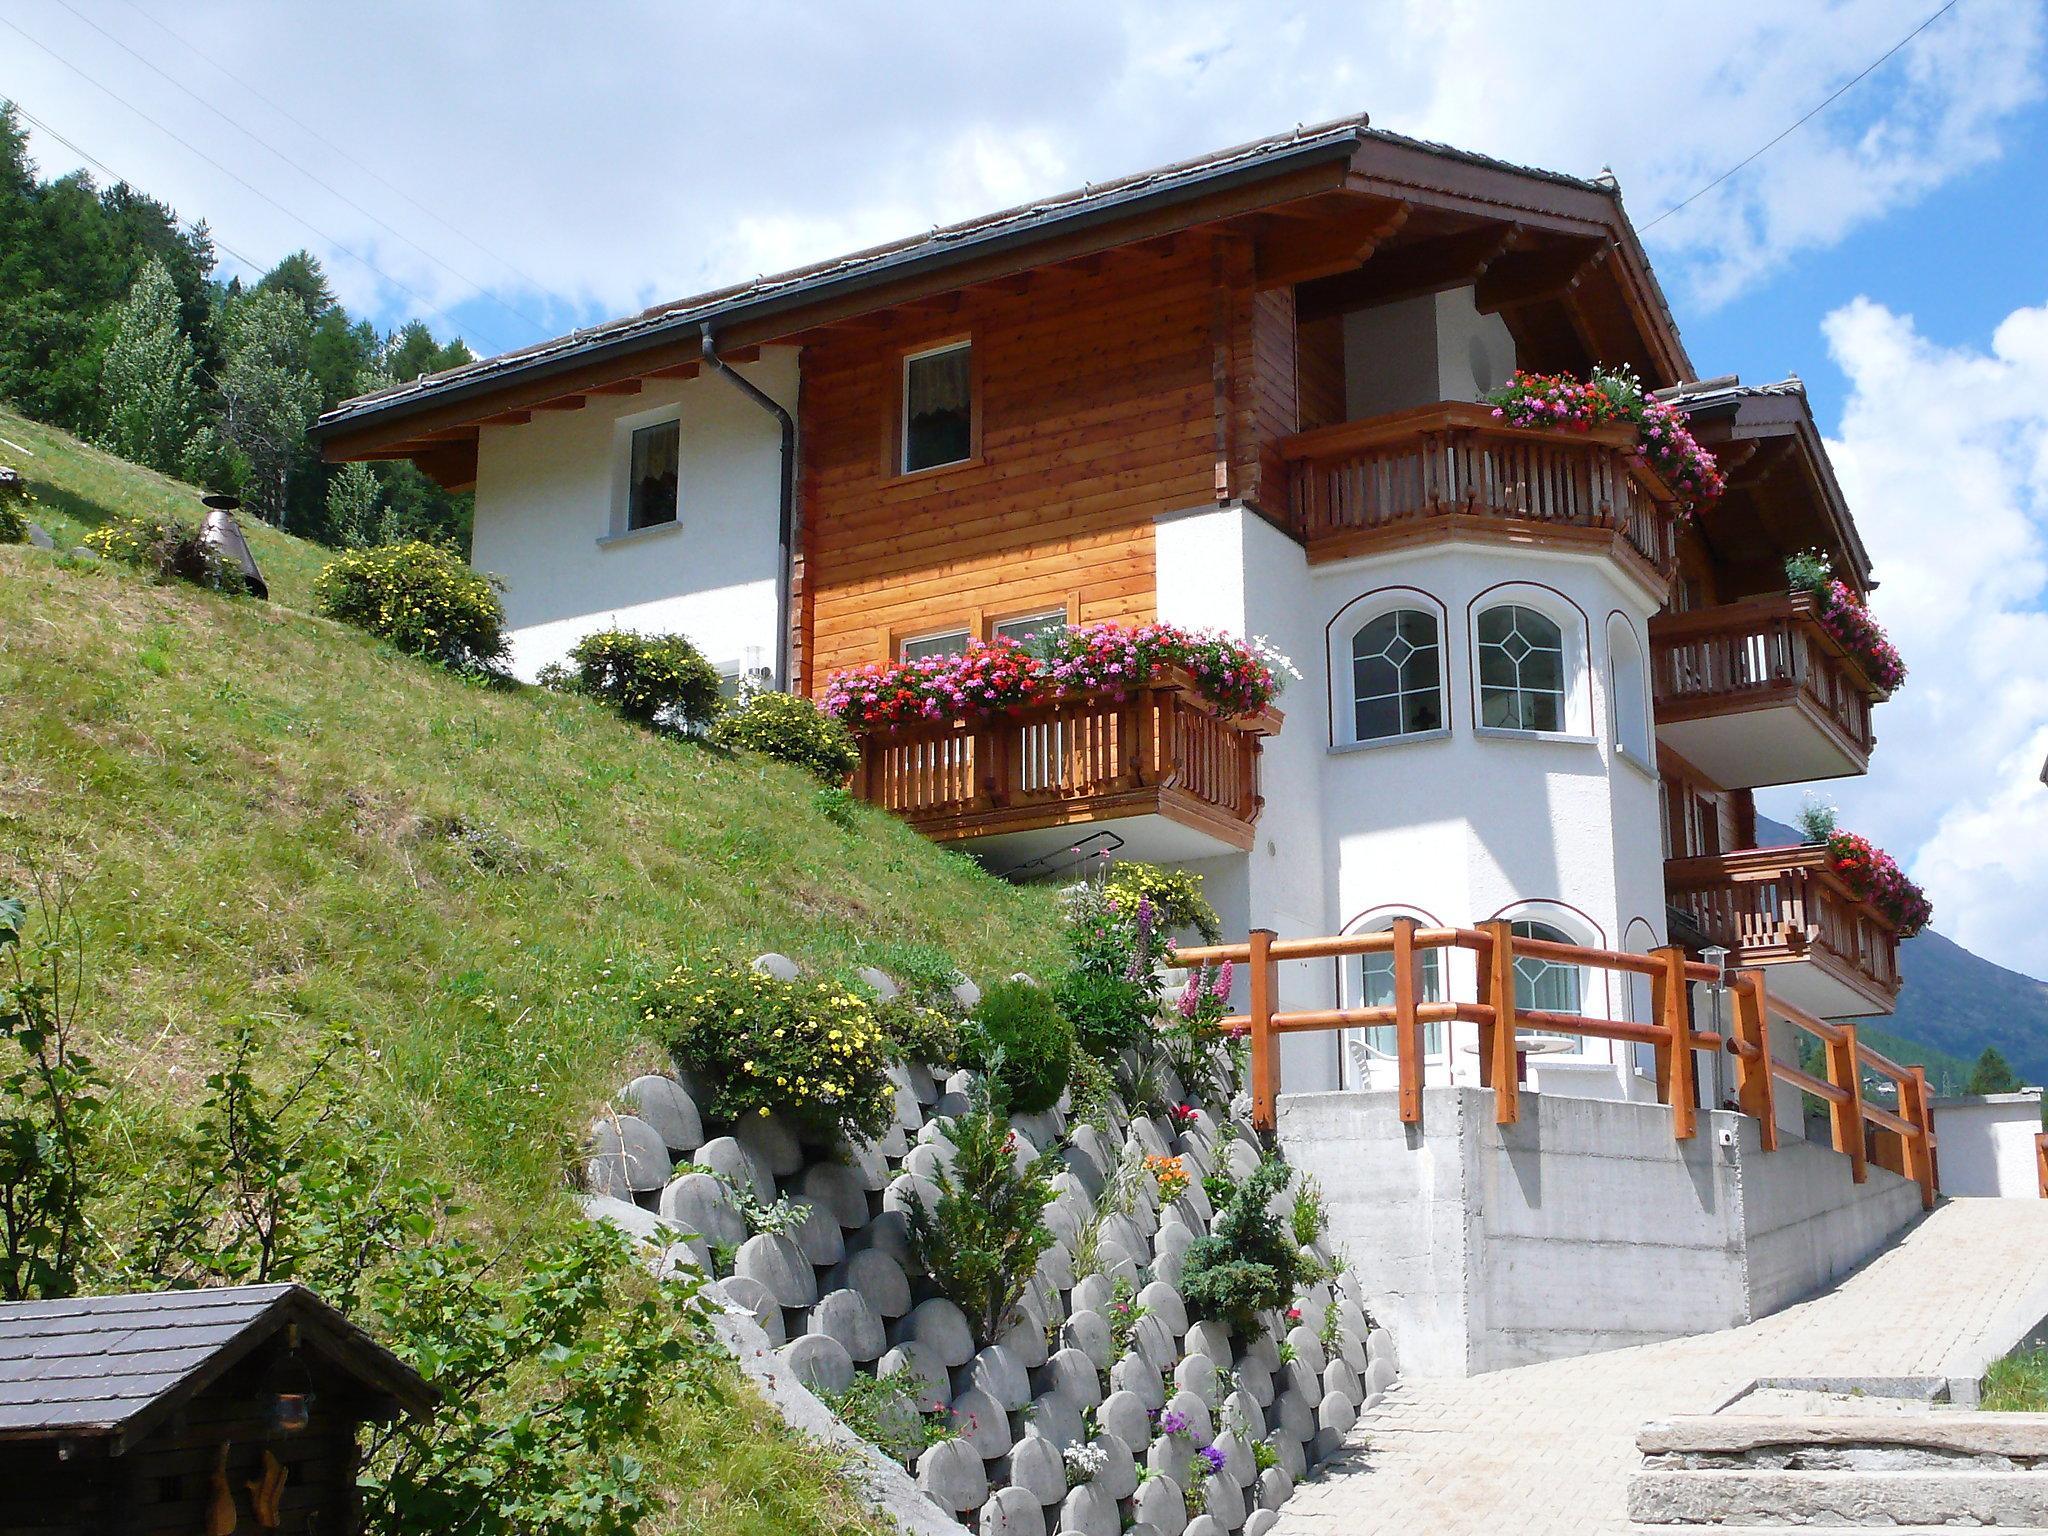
(224, 533)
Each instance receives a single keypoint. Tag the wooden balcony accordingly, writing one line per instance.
(1757, 692)
(1173, 778)
(1451, 469)
(1829, 953)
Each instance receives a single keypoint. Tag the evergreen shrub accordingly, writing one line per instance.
(1019, 1037)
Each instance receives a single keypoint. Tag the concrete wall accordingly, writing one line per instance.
(1987, 1144)
(1583, 1227)
(549, 502)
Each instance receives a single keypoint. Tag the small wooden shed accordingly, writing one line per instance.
(189, 1413)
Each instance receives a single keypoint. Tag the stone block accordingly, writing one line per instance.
(732, 1162)
(1379, 1345)
(1204, 1525)
(667, 1107)
(879, 982)
(1072, 1375)
(818, 1235)
(907, 1191)
(1136, 1376)
(868, 1161)
(1226, 1501)
(982, 1422)
(888, 1233)
(1164, 1302)
(1123, 1414)
(1260, 1521)
(1197, 1374)
(1091, 1293)
(1294, 1418)
(997, 1372)
(1292, 1456)
(1238, 1463)
(1089, 1332)
(941, 1327)
(1275, 1485)
(1208, 1337)
(1057, 1419)
(778, 1263)
(1026, 1340)
(1201, 1424)
(754, 1298)
(1308, 1349)
(839, 1189)
(844, 1315)
(772, 1142)
(1379, 1375)
(951, 1475)
(1056, 1267)
(819, 1362)
(1336, 1413)
(1159, 1504)
(1088, 1511)
(626, 1157)
(1240, 1160)
(1242, 1412)
(1012, 1511)
(781, 967)
(951, 1106)
(1255, 1381)
(1157, 1347)
(925, 1375)
(1037, 1468)
(1339, 1377)
(1119, 1475)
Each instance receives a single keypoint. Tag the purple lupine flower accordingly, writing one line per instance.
(1221, 990)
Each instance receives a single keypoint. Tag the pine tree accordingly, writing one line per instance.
(1992, 1074)
(269, 391)
(149, 376)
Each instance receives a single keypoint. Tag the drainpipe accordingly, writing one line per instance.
(786, 514)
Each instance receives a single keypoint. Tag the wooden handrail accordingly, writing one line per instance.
(1495, 947)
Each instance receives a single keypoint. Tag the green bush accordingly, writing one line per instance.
(650, 679)
(811, 1050)
(13, 507)
(422, 598)
(1108, 1013)
(1019, 1037)
(792, 730)
(920, 1034)
(983, 1238)
(169, 548)
(1248, 1263)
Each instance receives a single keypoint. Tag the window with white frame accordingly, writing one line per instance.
(1627, 685)
(1371, 981)
(1545, 985)
(938, 407)
(1030, 625)
(945, 642)
(1523, 677)
(652, 475)
(1397, 675)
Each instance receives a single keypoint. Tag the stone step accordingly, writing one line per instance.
(1860, 1498)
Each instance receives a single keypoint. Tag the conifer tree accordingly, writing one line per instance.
(149, 376)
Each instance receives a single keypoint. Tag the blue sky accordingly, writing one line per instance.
(524, 167)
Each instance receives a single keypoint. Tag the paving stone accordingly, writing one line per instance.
(819, 1362)
(929, 1380)
(699, 1203)
(1089, 1332)
(1071, 1374)
(982, 1422)
(1159, 1504)
(626, 1157)
(951, 1475)
(1012, 1512)
(1190, 1406)
(1037, 1468)
(779, 1264)
(1197, 1374)
(735, 1164)
(845, 1316)
(818, 1235)
(1119, 1475)
(942, 1327)
(1133, 1375)
(1090, 1511)
(666, 1106)
(838, 1188)
(1164, 1303)
(755, 1298)
(907, 1190)
(997, 1372)
(1057, 1419)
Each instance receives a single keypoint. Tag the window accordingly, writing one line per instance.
(1549, 986)
(950, 642)
(1521, 670)
(1397, 676)
(1631, 699)
(938, 407)
(1376, 990)
(1020, 629)
(651, 478)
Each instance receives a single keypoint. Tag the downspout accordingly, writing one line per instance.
(786, 514)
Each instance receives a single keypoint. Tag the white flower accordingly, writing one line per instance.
(1270, 654)
(1084, 1463)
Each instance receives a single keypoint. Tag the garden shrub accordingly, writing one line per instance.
(650, 679)
(1175, 894)
(1090, 1086)
(169, 548)
(1111, 937)
(1248, 1262)
(920, 1034)
(982, 1239)
(792, 730)
(811, 1050)
(13, 507)
(1108, 1013)
(1019, 1037)
(422, 598)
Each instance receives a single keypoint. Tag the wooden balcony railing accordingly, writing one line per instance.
(1428, 470)
(1495, 948)
(1760, 652)
(1158, 750)
(1771, 905)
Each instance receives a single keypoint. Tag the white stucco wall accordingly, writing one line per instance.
(1986, 1144)
(546, 494)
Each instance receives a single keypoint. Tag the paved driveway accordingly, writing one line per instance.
(1549, 1447)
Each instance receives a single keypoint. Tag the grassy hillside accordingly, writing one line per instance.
(264, 814)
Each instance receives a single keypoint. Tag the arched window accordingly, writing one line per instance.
(1631, 703)
(1397, 675)
(1522, 677)
(1549, 986)
(1372, 982)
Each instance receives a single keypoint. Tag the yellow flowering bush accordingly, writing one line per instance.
(1175, 894)
(812, 1051)
(422, 598)
(169, 548)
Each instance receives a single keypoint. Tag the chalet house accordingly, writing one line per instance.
(1242, 392)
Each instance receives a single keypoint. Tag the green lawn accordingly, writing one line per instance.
(262, 813)
(2018, 1383)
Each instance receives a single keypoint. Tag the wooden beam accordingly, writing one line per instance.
(1533, 276)
(561, 403)
(623, 387)
(1407, 271)
(507, 419)
(674, 371)
(1296, 252)
(452, 466)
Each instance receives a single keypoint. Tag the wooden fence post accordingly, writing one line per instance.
(1753, 1073)
(2041, 1158)
(1674, 1011)
(1498, 1048)
(1919, 1146)
(1407, 1028)
(1265, 1048)
(1844, 1073)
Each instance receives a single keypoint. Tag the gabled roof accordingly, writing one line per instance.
(931, 253)
(100, 1366)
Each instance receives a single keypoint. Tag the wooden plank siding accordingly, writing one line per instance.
(1104, 402)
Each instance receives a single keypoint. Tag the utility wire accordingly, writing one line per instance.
(300, 219)
(1844, 90)
(169, 31)
(261, 142)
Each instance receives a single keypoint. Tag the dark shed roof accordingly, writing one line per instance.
(114, 1365)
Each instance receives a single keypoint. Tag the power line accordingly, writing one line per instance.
(169, 31)
(300, 219)
(258, 139)
(1844, 90)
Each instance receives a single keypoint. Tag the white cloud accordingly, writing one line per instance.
(628, 153)
(1943, 453)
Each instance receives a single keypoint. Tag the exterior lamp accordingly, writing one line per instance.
(291, 1398)
(1716, 955)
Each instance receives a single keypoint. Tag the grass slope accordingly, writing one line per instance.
(264, 813)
